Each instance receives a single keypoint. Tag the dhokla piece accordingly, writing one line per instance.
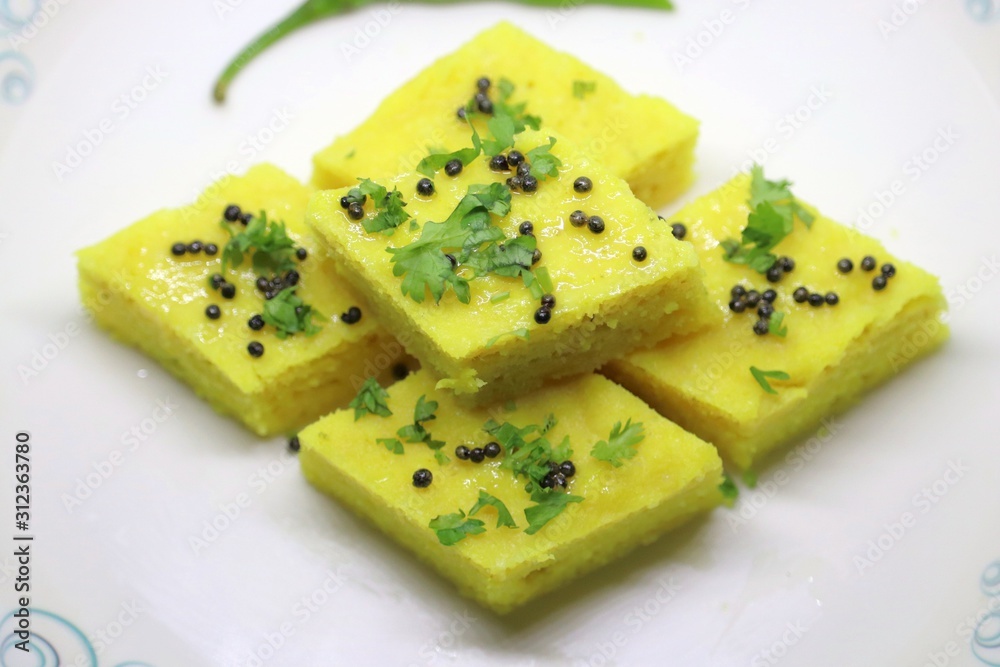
(506, 339)
(850, 326)
(167, 305)
(670, 476)
(642, 139)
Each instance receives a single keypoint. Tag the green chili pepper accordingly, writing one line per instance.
(313, 10)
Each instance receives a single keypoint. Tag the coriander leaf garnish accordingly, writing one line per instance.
(416, 432)
(389, 206)
(581, 88)
(775, 326)
(271, 247)
(510, 258)
(392, 444)
(762, 376)
(620, 444)
(424, 263)
(370, 400)
(543, 162)
(779, 195)
(500, 296)
(431, 164)
(730, 492)
(550, 504)
(506, 121)
(503, 514)
(773, 210)
(529, 458)
(289, 314)
(502, 130)
(520, 333)
(453, 528)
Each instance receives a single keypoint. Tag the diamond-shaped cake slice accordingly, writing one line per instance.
(642, 139)
(643, 482)
(618, 277)
(149, 297)
(834, 349)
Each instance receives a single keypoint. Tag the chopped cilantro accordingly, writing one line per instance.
(620, 444)
(370, 400)
(289, 314)
(392, 444)
(528, 458)
(582, 88)
(389, 212)
(520, 333)
(501, 137)
(424, 263)
(510, 258)
(543, 162)
(762, 376)
(730, 492)
(271, 247)
(549, 505)
(775, 326)
(544, 280)
(506, 121)
(430, 165)
(416, 432)
(453, 528)
(501, 296)
(503, 514)
(773, 210)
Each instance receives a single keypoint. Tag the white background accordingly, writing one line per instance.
(786, 581)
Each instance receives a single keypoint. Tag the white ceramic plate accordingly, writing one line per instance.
(876, 545)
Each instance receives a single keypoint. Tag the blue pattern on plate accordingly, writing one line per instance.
(986, 638)
(983, 11)
(17, 73)
(50, 635)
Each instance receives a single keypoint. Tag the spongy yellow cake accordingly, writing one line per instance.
(167, 305)
(615, 272)
(642, 139)
(646, 480)
(831, 354)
